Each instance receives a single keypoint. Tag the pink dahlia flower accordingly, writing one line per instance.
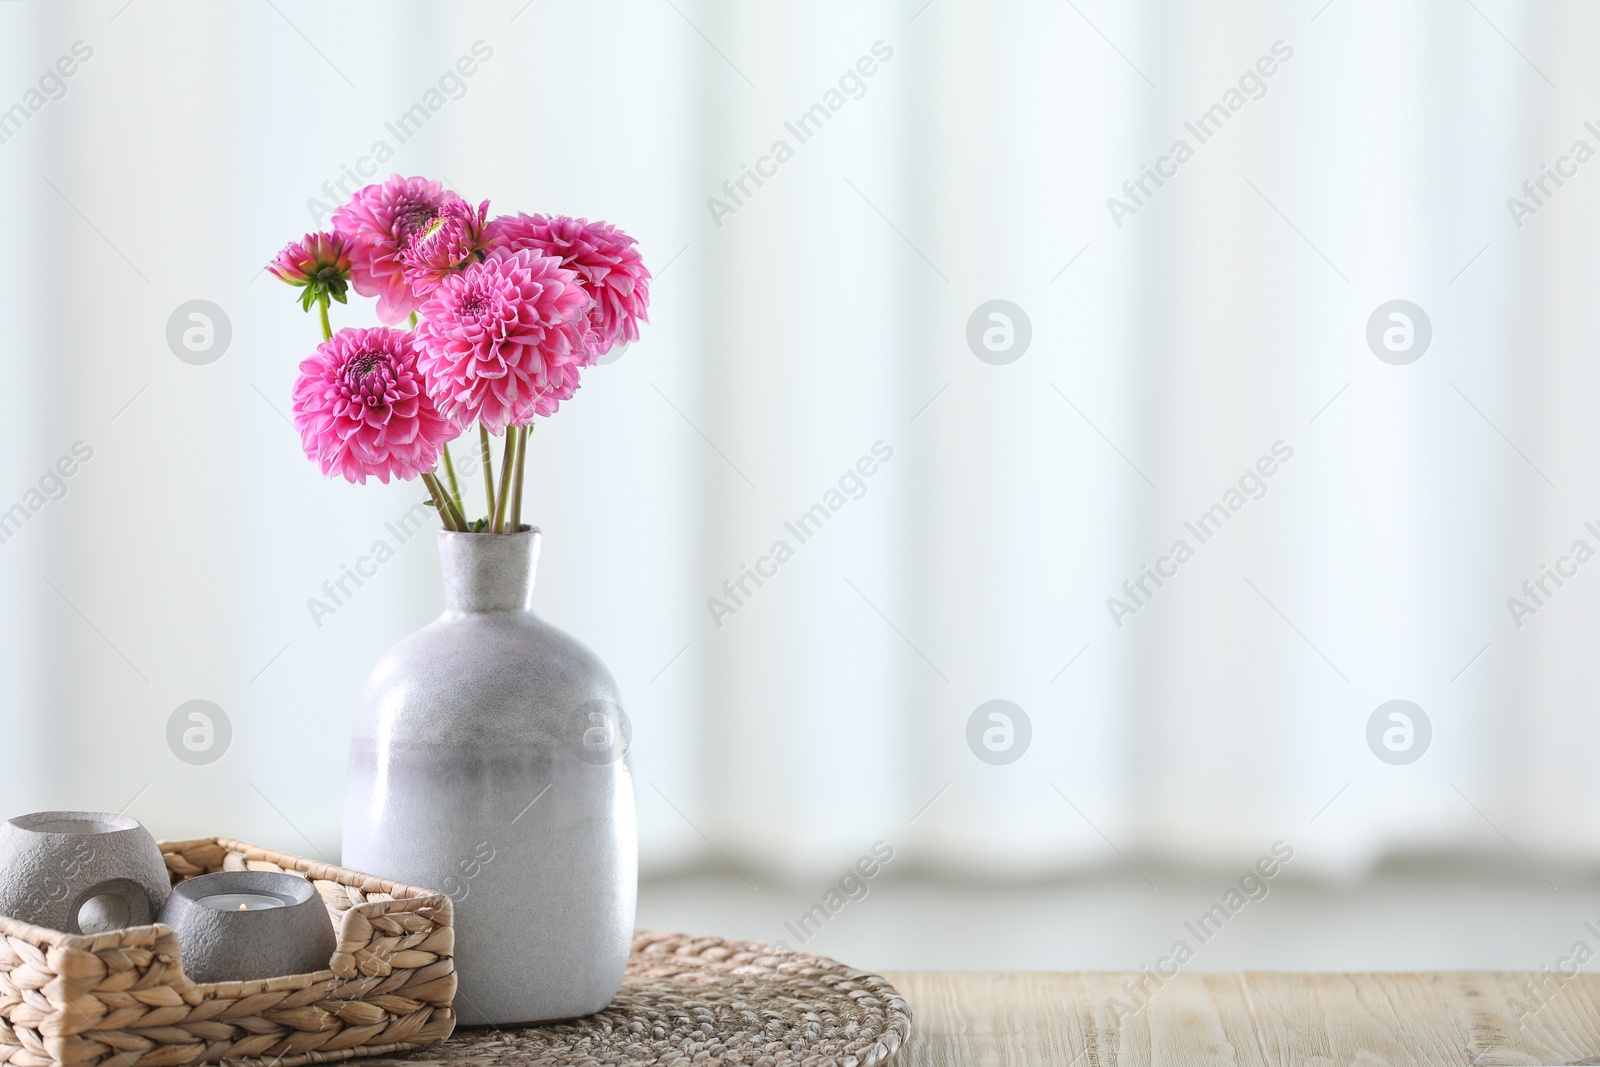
(606, 260)
(318, 262)
(444, 243)
(361, 409)
(379, 222)
(503, 339)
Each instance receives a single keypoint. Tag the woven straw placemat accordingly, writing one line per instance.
(700, 1000)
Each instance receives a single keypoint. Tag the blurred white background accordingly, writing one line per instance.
(1175, 340)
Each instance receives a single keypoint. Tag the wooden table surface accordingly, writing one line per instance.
(1475, 1019)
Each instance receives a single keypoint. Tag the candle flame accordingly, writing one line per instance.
(243, 908)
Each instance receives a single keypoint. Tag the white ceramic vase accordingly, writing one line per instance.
(489, 762)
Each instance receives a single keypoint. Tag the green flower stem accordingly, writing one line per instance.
(455, 508)
(440, 504)
(488, 467)
(504, 499)
(413, 320)
(518, 478)
(322, 307)
(455, 487)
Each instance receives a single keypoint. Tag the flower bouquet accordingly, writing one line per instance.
(470, 717)
(503, 314)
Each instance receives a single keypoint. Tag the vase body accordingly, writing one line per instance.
(489, 762)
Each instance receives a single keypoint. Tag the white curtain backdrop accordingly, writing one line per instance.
(819, 317)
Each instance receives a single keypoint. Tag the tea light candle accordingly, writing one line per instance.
(242, 901)
(245, 925)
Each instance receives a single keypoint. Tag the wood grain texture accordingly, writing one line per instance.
(1451, 1019)
(1262, 1020)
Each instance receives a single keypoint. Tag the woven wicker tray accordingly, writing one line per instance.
(121, 999)
(698, 1000)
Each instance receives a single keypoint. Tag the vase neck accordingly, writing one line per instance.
(488, 572)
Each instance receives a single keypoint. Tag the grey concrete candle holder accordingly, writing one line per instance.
(80, 871)
(226, 946)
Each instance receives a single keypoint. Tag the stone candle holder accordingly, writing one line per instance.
(242, 945)
(80, 872)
